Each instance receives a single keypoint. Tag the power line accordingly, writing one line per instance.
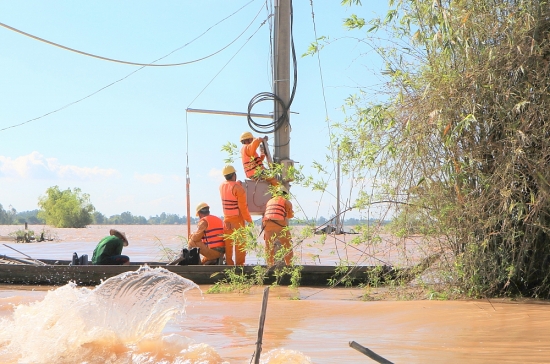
(136, 63)
(230, 59)
(128, 75)
(323, 89)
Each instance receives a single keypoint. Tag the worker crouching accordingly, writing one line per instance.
(209, 236)
(109, 250)
(275, 224)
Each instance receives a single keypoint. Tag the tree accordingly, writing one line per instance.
(7, 216)
(99, 218)
(29, 217)
(461, 140)
(66, 209)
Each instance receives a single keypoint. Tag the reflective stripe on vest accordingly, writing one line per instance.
(213, 234)
(250, 163)
(229, 201)
(275, 209)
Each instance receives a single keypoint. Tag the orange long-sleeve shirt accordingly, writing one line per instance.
(250, 149)
(239, 192)
(201, 228)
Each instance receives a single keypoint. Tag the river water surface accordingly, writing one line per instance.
(152, 316)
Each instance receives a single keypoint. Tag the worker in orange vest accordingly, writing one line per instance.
(209, 235)
(235, 213)
(252, 162)
(275, 224)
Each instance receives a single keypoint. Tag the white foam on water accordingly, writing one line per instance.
(283, 356)
(119, 321)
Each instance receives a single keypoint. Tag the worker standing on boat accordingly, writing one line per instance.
(209, 235)
(235, 213)
(252, 162)
(109, 249)
(275, 224)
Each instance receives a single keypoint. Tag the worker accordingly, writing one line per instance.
(109, 249)
(252, 162)
(275, 225)
(209, 236)
(235, 213)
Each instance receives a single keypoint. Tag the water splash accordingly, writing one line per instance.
(283, 356)
(119, 321)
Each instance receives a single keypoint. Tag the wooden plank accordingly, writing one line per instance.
(371, 354)
(261, 327)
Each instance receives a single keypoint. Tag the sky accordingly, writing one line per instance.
(127, 145)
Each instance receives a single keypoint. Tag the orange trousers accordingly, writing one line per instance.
(206, 252)
(273, 232)
(229, 226)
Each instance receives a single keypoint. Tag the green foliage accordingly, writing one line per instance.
(236, 280)
(315, 46)
(7, 217)
(460, 142)
(22, 235)
(30, 217)
(351, 2)
(232, 152)
(66, 209)
(168, 254)
(127, 218)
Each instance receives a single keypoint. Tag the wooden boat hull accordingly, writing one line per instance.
(91, 275)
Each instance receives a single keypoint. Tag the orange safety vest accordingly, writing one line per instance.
(251, 163)
(213, 234)
(229, 201)
(275, 209)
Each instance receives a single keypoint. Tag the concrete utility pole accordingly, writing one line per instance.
(281, 77)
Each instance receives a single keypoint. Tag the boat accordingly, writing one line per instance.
(60, 272)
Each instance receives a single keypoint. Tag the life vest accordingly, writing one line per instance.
(229, 201)
(251, 163)
(275, 209)
(213, 234)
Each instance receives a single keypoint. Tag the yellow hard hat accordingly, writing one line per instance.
(201, 206)
(246, 135)
(228, 169)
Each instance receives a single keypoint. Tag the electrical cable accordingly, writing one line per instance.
(270, 96)
(121, 79)
(225, 65)
(323, 91)
(136, 63)
(187, 177)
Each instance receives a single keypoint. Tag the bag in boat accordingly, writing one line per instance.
(82, 260)
(190, 257)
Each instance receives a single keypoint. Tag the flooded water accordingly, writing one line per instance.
(153, 316)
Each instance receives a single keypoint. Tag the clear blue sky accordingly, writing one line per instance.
(126, 145)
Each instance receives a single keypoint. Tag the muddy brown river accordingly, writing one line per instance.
(158, 318)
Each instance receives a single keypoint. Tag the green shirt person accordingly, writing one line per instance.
(109, 249)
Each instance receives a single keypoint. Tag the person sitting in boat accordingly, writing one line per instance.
(109, 249)
(252, 162)
(275, 224)
(209, 236)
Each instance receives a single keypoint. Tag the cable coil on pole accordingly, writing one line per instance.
(270, 96)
